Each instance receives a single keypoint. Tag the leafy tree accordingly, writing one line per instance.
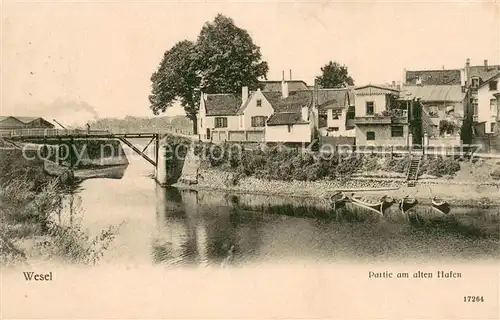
(334, 75)
(176, 80)
(228, 58)
(223, 60)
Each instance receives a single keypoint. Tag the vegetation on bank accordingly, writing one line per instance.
(291, 164)
(41, 217)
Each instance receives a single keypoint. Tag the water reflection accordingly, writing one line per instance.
(215, 228)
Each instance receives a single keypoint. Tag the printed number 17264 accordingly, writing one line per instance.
(473, 299)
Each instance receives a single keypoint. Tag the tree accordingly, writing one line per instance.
(333, 75)
(223, 60)
(177, 80)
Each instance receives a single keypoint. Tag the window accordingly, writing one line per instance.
(397, 131)
(493, 85)
(201, 122)
(493, 104)
(493, 126)
(334, 128)
(322, 121)
(370, 135)
(258, 121)
(289, 128)
(475, 82)
(369, 108)
(475, 106)
(336, 115)
(433, 111)
(221, 122)
(259, 102)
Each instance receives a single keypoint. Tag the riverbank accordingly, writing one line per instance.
(40, 216)
(455, 190)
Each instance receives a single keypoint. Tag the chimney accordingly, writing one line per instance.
(244, 94)
(485, 65)
(467, 62)
(290, 74)
(394, 84)
(284, 87)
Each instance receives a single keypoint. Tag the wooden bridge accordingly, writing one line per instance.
(21, 135)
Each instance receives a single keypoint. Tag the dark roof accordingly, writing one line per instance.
(22, 119)
(283, 118)
(334, 98)
(381, 87)
(288, 110)
(293, 103)
(434, 77)
(435, 93)
(275, 86)
(222, 104)
(482, 72)
(490, 79)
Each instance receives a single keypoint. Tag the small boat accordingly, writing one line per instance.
(440, 205)
(337, 200)
(406, 204)
(378, 207)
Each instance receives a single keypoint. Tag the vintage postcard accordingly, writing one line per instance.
(250, 159)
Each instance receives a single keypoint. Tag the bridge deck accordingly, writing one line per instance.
(77, 133)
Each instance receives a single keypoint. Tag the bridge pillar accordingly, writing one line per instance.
(161, 166)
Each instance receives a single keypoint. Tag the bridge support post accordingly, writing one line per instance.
(161, 165)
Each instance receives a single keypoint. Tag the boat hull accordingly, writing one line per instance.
(379, 207)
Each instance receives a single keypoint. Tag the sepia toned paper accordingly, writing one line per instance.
(195, 252)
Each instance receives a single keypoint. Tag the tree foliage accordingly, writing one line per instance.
(222, 60)
(334, 75)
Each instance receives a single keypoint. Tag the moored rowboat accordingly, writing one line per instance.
(378, 207)
(407, 203)
(337, 200)
(440, 205)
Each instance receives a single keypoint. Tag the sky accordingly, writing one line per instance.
(74, 60)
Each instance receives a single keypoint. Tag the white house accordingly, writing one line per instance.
(486, 111)
(334, 106)
(294, 117)
(274, 116)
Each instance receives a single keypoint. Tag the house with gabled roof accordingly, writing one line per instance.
(380, 119)
(480, 107)
(271, 115)
(14, 122)
(336, 111)
(486, 110)
(444, 105)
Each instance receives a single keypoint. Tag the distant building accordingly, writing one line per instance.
(13, 122)
(376, 123)
(274, 114)
(441, 103)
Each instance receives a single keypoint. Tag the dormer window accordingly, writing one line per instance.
(475, 82)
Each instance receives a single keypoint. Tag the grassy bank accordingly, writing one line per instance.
(41, 216)
(290, 172)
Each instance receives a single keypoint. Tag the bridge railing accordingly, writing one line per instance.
(49, 132)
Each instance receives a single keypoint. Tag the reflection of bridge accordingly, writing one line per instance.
(64, 135)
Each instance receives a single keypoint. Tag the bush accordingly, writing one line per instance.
(495, 174)
(442, 166)
(399, 165)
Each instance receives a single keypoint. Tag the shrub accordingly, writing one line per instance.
(399, 165)
(495, 174)
(442, 166)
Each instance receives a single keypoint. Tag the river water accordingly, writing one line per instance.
(180, 227)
